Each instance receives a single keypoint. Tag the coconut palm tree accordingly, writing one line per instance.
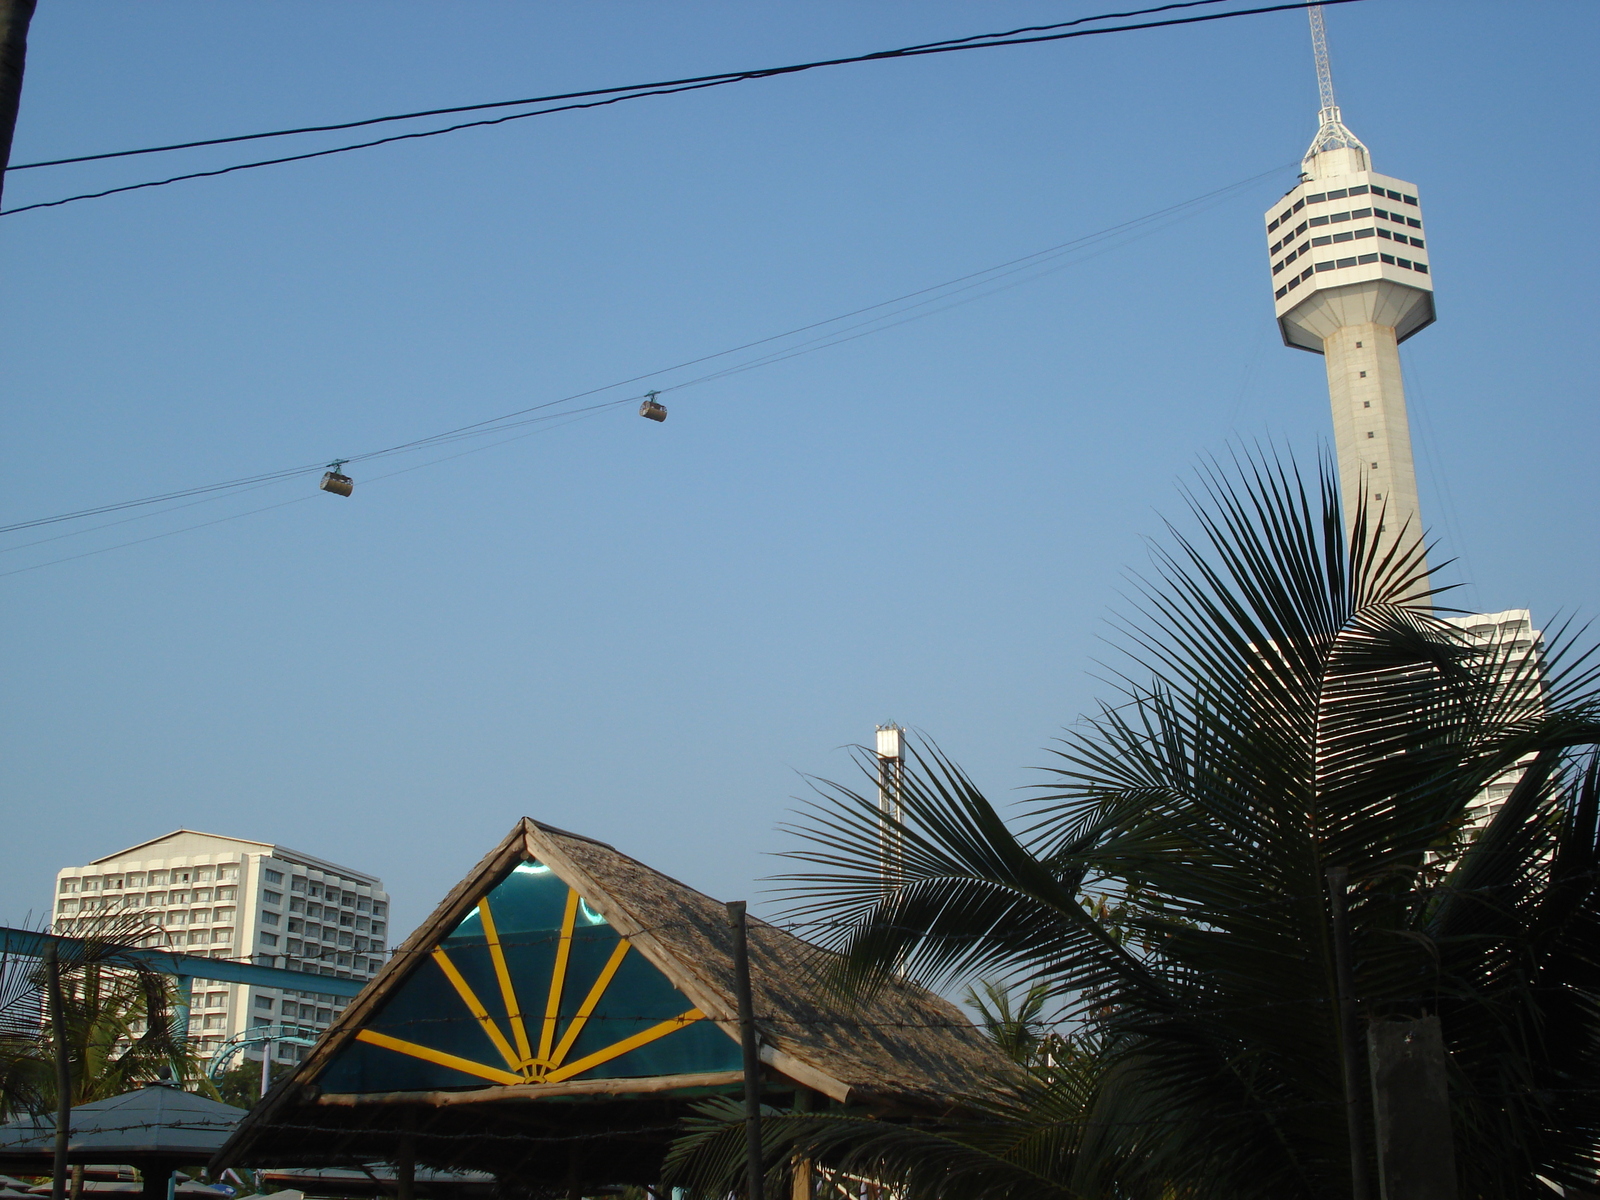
(1293, 703)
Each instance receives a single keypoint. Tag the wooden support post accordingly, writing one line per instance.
(1411, 1109)
(747, 1041)
(1349, 1031)
(803, 1180)
(405, 1170)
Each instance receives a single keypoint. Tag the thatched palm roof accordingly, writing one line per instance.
(906, 1051)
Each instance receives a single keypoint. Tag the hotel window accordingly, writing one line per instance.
(272, 876)
(273, 898)
(269, 939)
(269, 918)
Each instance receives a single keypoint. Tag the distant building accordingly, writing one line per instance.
(1513, 657)
(248, 901)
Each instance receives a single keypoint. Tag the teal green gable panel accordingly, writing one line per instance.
(527, 907)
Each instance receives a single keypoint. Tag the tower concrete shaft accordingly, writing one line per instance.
(1352, 280)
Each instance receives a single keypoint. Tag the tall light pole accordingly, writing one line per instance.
(891, 804)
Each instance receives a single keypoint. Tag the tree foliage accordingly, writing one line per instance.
(1293, 702)
(116, 1024)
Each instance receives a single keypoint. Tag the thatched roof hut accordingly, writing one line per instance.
(561, 1009)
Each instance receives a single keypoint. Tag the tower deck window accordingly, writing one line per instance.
(1318, 221)
(1368, 258)
(1322, 241)
(1414, 223)
(1407, 199)
(1325, 266)
(1388, 258)
(1343, 237)
(1347, 262)
(1361, 233)
(1417, 242)
(1361, 212)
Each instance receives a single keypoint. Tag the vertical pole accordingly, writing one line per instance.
(1411, 1109)
(266, 1066)
(14, 18)
(405, 1171)
(747, 1042)
(58, 1036)
(891, 808)
(1349, 1030)
(802, 1186)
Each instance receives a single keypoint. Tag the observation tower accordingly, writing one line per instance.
(1352, 280)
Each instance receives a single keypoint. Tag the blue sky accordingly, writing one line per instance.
(653, 633)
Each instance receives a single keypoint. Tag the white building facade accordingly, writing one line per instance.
(248, 901)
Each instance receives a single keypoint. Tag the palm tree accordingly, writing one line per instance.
(1292, 704)
(90, 1020)
(116, 1023)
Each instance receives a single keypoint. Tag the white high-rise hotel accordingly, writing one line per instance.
(252, 902)
(1352, 278)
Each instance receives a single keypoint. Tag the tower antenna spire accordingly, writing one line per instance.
(1331, 131)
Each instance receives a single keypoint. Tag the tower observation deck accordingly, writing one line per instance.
(1352, 280)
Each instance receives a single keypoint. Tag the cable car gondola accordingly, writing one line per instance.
(651, 409)
(335, 482)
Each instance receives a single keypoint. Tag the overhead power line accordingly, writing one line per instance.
(722, 77)
(1027, 35)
